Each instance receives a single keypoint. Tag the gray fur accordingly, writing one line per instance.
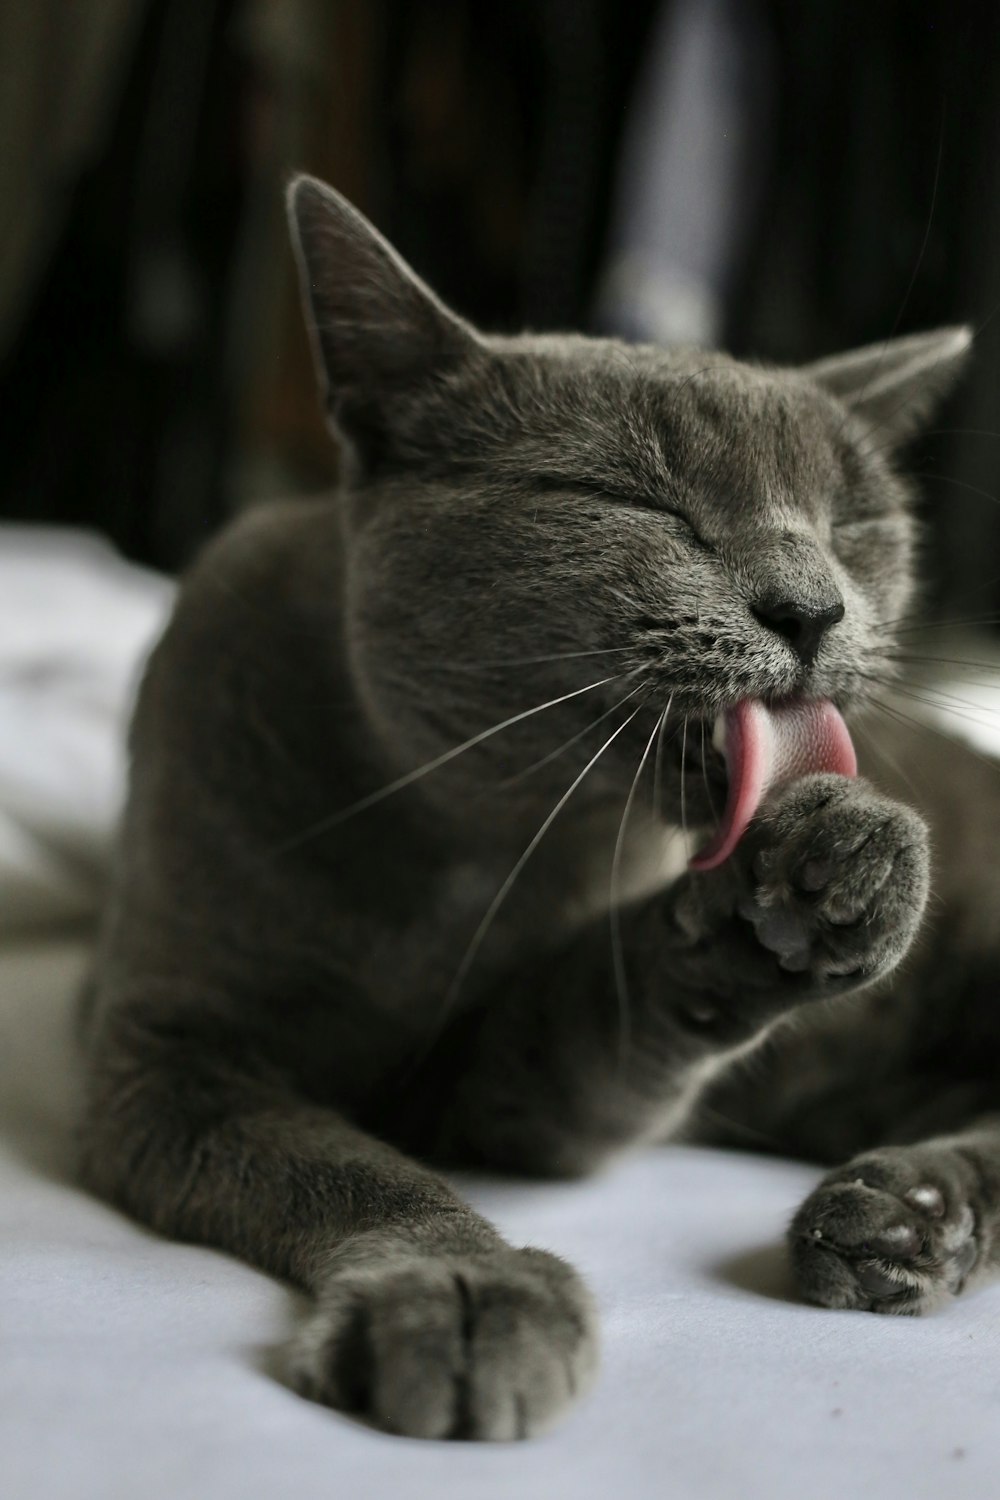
(298, 1005)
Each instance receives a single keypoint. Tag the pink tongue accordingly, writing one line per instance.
(764, 746)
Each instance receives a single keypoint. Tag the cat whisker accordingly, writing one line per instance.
(985, 432)
(893, 711)
(658, 762)
(898, 716)
(948, 432)
(617, 946)
(528, 661)
(940, 690)
(927, 232)
(733, 1126)
(936, 698)
(624, 596)
(333, 820)
(620, 353)
(913, 659)
(545, 760)
(704, 777)
(684, 822)
(489, 916)
(684, 738)
(962, 484)
(874, 745)
(909, 625)
(939, 684)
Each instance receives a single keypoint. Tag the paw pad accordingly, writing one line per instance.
(838, 881)
(891, 1240)
(927, 1199)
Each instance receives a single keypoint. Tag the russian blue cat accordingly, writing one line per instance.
(502, 809)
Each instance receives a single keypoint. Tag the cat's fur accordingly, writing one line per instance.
(297, 998)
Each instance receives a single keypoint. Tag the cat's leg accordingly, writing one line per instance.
(426, 1322)
(582, 1055)
(902, 1228)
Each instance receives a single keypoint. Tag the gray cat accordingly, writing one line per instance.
(419, 866)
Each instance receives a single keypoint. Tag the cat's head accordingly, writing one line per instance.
(532, 515)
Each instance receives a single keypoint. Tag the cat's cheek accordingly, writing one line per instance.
(876, 552)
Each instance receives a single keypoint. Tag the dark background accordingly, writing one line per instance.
(845, 158)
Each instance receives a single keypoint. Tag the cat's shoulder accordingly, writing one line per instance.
(274, 564)
(274, 545)
(257, 602)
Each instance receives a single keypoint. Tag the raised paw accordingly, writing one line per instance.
(894, 1232)
(489, 1346)
(837, 880)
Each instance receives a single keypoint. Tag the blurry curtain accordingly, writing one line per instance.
(784, 179)
(122, 184)
(63, 69)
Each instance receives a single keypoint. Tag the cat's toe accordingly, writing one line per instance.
(489, 1347)
(839, 881)
(890, 1233)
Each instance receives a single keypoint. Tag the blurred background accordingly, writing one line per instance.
(777, 177)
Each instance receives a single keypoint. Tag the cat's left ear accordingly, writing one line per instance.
(894, 386)
(378, 331)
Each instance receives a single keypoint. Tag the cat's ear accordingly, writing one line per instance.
(376, 329)
(895, 385)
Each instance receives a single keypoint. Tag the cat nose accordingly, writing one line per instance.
(802, 624)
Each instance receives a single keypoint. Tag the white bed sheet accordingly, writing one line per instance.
(136, 1369)
(76, 622)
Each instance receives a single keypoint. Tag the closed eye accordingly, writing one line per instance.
(664, 509)
(659, 504)
(857, 523)
(614, 495)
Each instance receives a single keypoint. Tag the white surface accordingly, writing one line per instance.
(136, 1369)
(75, 622)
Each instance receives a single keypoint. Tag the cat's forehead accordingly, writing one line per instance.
(736, 430)
(645, 416)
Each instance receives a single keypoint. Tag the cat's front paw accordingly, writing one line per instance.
(838, 880)
(489, 1346)
(894, 1232)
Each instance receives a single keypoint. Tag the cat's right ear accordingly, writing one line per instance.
(377, 330)
(895, 385)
